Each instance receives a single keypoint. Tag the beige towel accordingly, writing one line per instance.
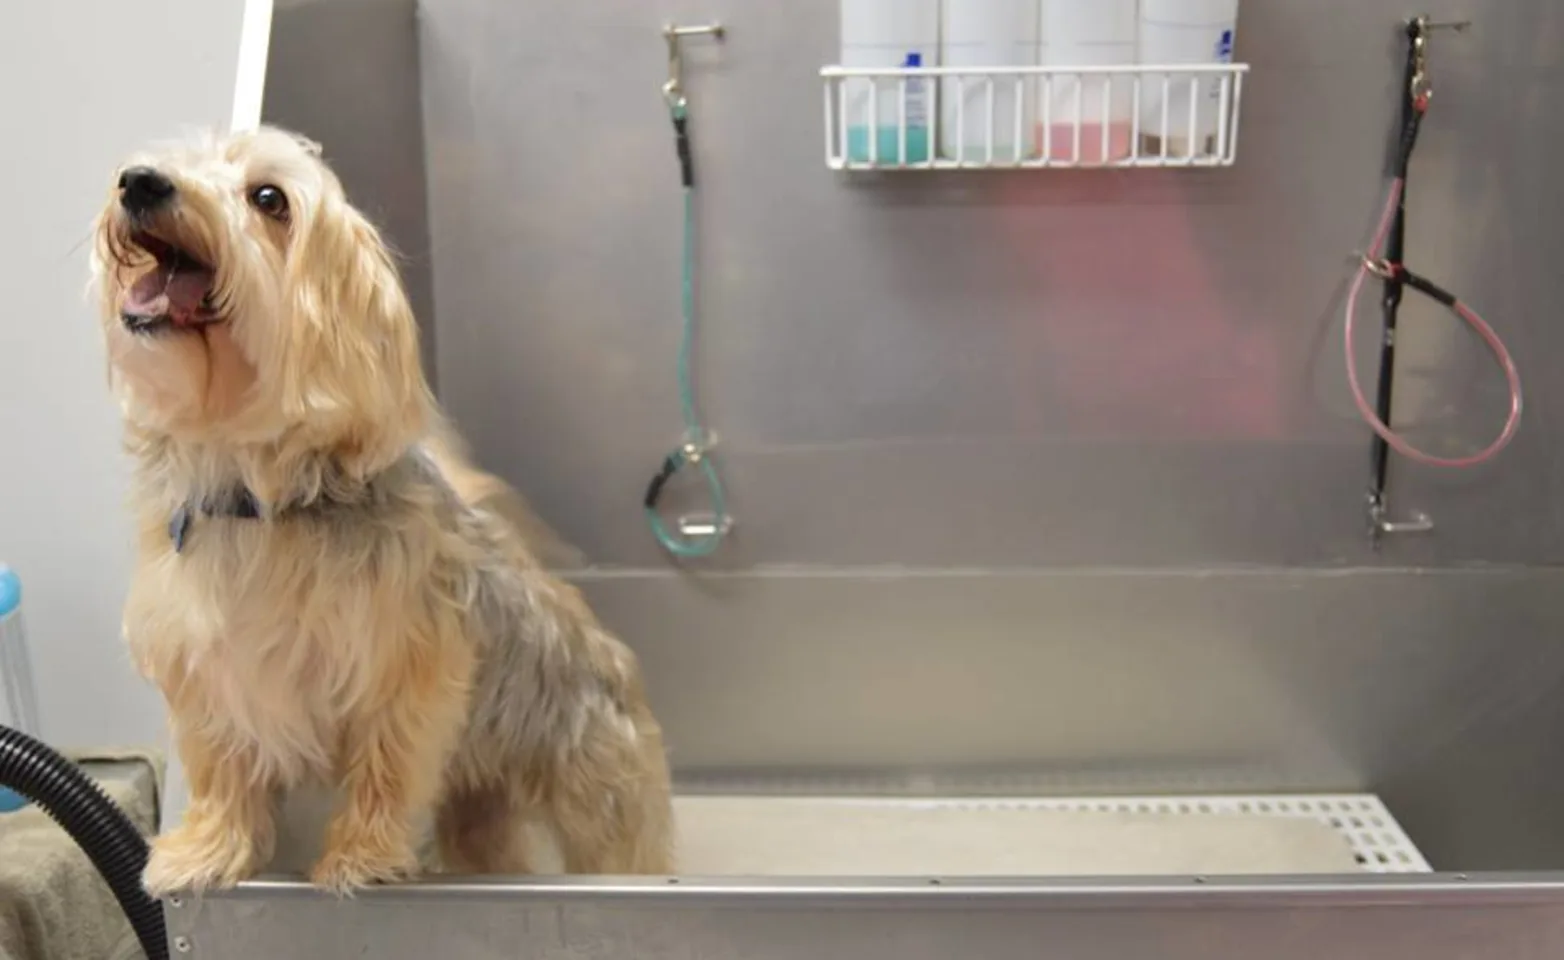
(53, 904)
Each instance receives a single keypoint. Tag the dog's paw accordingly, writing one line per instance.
(197, 860)
(344, 871)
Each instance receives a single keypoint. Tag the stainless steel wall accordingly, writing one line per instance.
(345, 72)
(987, 371)
(1051, 472)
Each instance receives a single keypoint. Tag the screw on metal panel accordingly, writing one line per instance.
(182, 944)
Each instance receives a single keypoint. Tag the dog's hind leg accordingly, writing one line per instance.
(483, 830)
(611, 807)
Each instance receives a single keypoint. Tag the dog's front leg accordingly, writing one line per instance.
(228, 830)
(394, 754)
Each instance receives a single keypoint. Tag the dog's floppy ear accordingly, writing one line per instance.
(351, 371)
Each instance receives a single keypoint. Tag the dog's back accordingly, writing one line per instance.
(478, 488)
(559, 732)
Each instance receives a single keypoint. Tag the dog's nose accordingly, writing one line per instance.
(143, 189)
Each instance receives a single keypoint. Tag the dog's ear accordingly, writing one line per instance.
(311, 147)
(351, 365)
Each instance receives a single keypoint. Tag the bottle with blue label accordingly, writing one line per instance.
(987, 33)
(18, 709)
(1175, 32)
(880, 34)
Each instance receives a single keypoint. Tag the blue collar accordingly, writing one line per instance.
(241, 504)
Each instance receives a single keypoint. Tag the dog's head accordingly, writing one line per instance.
(246, 302)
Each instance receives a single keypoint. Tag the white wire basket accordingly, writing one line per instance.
(961, 118)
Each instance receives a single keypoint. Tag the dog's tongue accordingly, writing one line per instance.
(175, 292)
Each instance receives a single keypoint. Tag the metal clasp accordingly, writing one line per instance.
(702, 526)
(673, 90)
(696, 443)
(1379, 268)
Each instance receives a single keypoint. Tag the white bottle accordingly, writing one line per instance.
(1079, 33)
(878, 34)
(987, 33)
(17, 708)
(1176, 32)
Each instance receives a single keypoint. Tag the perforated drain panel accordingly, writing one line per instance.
(1377, 841)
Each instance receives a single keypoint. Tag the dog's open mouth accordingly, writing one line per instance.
(177, 293)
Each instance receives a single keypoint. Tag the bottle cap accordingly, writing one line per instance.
(10, 591)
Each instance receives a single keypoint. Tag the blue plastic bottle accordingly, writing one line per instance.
(16, 680)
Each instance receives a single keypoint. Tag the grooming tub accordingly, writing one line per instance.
(1082, 859)
(1059, 727)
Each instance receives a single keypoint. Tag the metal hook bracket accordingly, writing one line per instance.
(1418, 29)
(673, 35)
(1381, 526)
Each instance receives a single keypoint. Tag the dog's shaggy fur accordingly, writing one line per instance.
(325, 589)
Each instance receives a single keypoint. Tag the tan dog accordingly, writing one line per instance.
(324, 589)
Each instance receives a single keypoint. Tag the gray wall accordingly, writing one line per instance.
(74, 107)
(1047, 480)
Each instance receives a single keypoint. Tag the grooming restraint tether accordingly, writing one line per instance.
(697, 535)
(1385, 261)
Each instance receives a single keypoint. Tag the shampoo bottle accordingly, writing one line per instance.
(1079, 33)
(1174, 32)
(987, 33)
(879, 34)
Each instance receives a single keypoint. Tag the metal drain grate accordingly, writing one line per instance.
(1364, 822)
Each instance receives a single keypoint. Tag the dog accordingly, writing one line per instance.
(325, 589)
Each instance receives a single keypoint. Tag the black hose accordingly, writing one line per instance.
(98, 826)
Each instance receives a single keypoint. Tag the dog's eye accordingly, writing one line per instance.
(270, 201)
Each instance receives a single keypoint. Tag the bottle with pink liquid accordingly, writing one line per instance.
(1100, 107)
